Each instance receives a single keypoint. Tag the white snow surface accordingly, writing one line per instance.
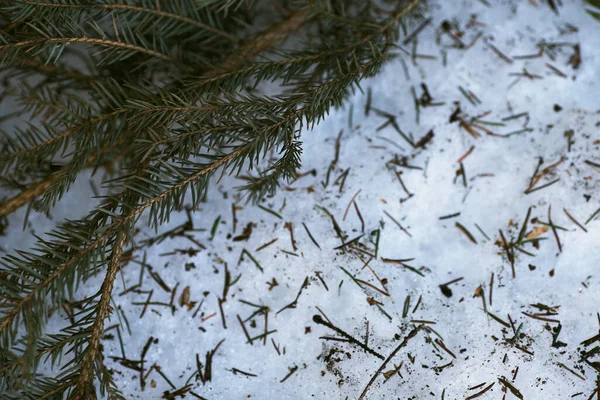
(459, 346)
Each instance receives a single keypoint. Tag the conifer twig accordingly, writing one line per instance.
(86, 377)
(178, 125)
(38, 188)
(264, 41)
(27, 195)
(129, 7)
(250, 49)
(94, 41)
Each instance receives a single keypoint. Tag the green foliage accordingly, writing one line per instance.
(594, 8)
(162, 95)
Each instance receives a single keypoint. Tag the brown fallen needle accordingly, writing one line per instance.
(411, 335)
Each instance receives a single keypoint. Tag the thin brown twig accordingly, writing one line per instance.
(264, 41)
(38, 188)
(85, 378)
(411, 335)
(574, 220)
(54, 69)
(349, 204)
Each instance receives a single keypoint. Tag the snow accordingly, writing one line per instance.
(498, 171)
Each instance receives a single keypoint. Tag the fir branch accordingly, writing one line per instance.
(52, 346)
(85, 380)
(22, 155)
(178, 127)
(27, 195)
(52, 70)
(37, 293)
(91, 245)
(31, 192)
(264, 41)
(52, 144)
(30, 45)
(292, 65)
(128, 7)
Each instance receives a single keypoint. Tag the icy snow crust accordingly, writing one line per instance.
(460, 350)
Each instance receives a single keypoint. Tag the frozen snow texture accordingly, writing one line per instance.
(480, 349)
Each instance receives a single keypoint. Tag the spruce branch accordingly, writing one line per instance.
(86, 378)
(127, 7)
(32, 45)
(250, 49)
(293, 64)
(53, 70)
(155, 89)
(22, 154)
(36, 189)
(20, 304)
(264, 41)
(27, 195)
(52, 144)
